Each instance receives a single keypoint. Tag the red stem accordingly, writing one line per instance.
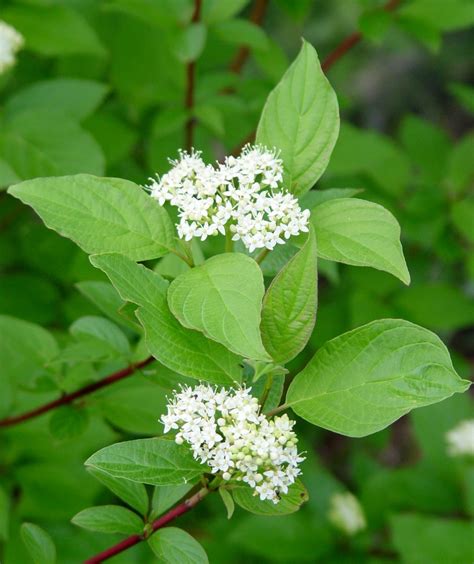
(69, 398)
(158, 524)
(190, 86)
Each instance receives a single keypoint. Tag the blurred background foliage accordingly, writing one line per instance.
(100, 88)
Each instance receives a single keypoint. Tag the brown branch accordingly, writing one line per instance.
(172, 514)
(69, 398)
(256, 17)
(190, 86)
(344, 47)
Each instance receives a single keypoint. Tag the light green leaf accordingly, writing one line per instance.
(164, 497)
(109, 519)
(289, 503)
(133, 493)
(361, 233)
(66, 149)
(361, 381)
(462, 215)
(461, 166)
(228, 501)
(7, 175)
(98, 329)
(100, 214)
(441, 15)
(301, 119)
(190, 42)
(54, 30)
(290, 304)
(76, 97)
(39, 544)
(159, 462)
(175, 546)
(215, 10)
(241, 32)
(184, 351)
(222, 298)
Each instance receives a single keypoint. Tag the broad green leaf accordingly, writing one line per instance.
(107, 299)
(361, 233)
(190, 42)
(158, 462)
(66, 149)
(301, 119)
(214, 10)
(133, 493)
(462, 215)
(241, 32)
(175, 546)
(316, 197)
(420, 539)
(184, 351)
(164, 497)
(4, 514)
(228, 501)
(68, 422)
(38, 543)
(75, 97)
(289, 503)
(7, 175)
(290, 304)
(98, 329)
(54, 30)
(461, 166)
(109, 519)
(222, 298)
(361, 381)
(441, 15)
(100, 214)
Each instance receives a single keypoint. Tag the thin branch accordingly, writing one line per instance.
(190, 86)
(256, 17)
(344, 47)
(69, 398)
(172, 514)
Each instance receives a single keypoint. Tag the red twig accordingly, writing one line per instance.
(69, 398)
(190, 86)
(344, 47)
(158, 524)
(256, 17)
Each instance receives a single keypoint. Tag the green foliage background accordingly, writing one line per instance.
(100, 89)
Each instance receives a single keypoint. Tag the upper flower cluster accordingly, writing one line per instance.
(226, 431)
(243, 193)
(461, 439)
(10, 42)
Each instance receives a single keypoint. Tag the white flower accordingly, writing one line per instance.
(461, 439)
(226, 431)
(11, 42)
(346, 513)
(244, 194)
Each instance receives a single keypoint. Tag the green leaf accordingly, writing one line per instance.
(133, 493)
(316, 197)
(76, 97)
(361, 381)
(222, 298)
(374, 24)
(175, 546)
(164, 497)
(159, 462)
(290, 304)
(4, 514)
(109, 519)
(420, 539)
(461, 166)
(462, 215)
(228, 501)
(100, 214)
(54, 30)
(464, 95)
(361, 233)
(102, 331)
(289, 503)
(301, 119)
(39, 544)
(457, 14)
(190, 42)
(66, 149)
(68, 422)
(214, 10)
(241, 32)
(184, 351)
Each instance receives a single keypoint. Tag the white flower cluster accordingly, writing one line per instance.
(226, 431)
(346, 513)
(243, 193)
(461, 439)
(10, 42)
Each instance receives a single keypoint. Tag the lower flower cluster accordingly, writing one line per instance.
(226, 431)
